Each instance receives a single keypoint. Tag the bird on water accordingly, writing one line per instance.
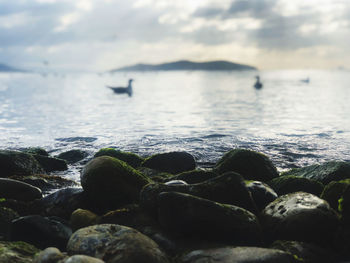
(258, 84)
(122, 90)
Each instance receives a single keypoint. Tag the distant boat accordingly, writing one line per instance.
(123, 90)
(307, 80)
(258, 84)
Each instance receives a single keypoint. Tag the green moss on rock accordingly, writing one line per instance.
(334, 191)
(17, 252)
(130, 158)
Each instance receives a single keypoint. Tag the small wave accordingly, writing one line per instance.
(76, 139)
(213, 136)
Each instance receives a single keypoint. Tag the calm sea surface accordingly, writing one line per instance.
(204, 113)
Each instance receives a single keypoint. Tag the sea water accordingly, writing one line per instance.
(204, 113)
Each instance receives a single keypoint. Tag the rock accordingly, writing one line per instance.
(49, 255)
(51, 164)
(6, 217)
(17, 252)
(35, 150)
(250, 164)
(176, 182)
(192, 216)
(194, 176)
(62, 203)
(154, 175)
(261, 193)
(18, 163)
(324, 173)
(238, 255)
(344, 206)
(306, 252)
(18, 190)
(82, 259)
(115, 244)
(291, 184)
(228, 188)
(110, 183)
(131, 159)
(171, 162)
(82, 218)
(73, 156)
(301, 217)
(334, 191)
(41, 231)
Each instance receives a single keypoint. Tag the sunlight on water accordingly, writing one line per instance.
(204, 113)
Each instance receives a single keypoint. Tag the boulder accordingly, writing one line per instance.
(82, 259)
(228, 188)
(73, 156)
(324, 173)
(35, 150)
(6, 217)
(171, 162)
(301, 217)
(238, 255)
(131, 159)
(194, 176)
(82, 218)
(18, 163)
(13, 189)
(333, 191)
(261, 193)
(188, 215)
(291, 184)
(154, 175)
(344, 205)
(49, 255)
(17, 252)
(115, 244)
(41, 231)
(51, 164)
(110, 183)
(250, 164)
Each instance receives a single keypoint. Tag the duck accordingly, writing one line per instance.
(258, 84)
(122, 90)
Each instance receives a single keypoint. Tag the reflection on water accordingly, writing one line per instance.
(205, 113)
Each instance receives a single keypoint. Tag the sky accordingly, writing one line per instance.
(100, 35)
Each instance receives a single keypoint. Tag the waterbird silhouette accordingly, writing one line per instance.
(258, 84)
(307, 80)
(122, 90)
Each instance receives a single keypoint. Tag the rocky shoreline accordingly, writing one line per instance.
(164, 209)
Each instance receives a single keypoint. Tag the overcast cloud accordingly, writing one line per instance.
(99, 35)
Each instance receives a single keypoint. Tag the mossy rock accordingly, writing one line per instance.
(250, 164)
(324, 173)
(194, 176)
(291, 184)
(82, 218)
(334, 191)
(17, 252)
(18, 163)
(131, 159)
(73, 156)
(153, 174)
(51, 164)
(36, 150)
(17, 190)
(110, 182)
(261, 193)
(6, 217)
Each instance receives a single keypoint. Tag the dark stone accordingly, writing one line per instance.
(238, 255)
(192, 216)
(250, 164)
(73, 156)
(41, 231)
(344, 205)
(110, 183)
(172, 162)
(36, 150)
(50, 255)
(228, 188)
(18, 163)
(290, 184)
(155, 175)
(6, 217)
(300, 216)
(194, 176)
(18, 190)
(261, 193)
(51, 164)
(115, 243)
(82, 218)
(131, 159)
(334, 191)
(324, 173)
(17, 252)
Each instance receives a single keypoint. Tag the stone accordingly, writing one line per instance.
(41, 231)
(13, 189)
(333, 191)
(17, 252)
(261, 193)
(18, 163)
(82, 259)
(51, 164)
(290, 184)
(228, 188)
(250, 164)
(344, 206)
(191, 216)
(82, 218)
(154, 175)
(324, 173)
(301, 217)
(6, 217)
(194, 176)
(171, 162)
(35, 150)
(115, 244)
(131, 159)
(238, 255)
(73, 156)
(110, 183)
(49, 255)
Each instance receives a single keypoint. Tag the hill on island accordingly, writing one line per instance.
(6, 68)
(187, 65)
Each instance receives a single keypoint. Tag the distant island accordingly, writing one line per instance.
(187, 65)
(6, 68)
